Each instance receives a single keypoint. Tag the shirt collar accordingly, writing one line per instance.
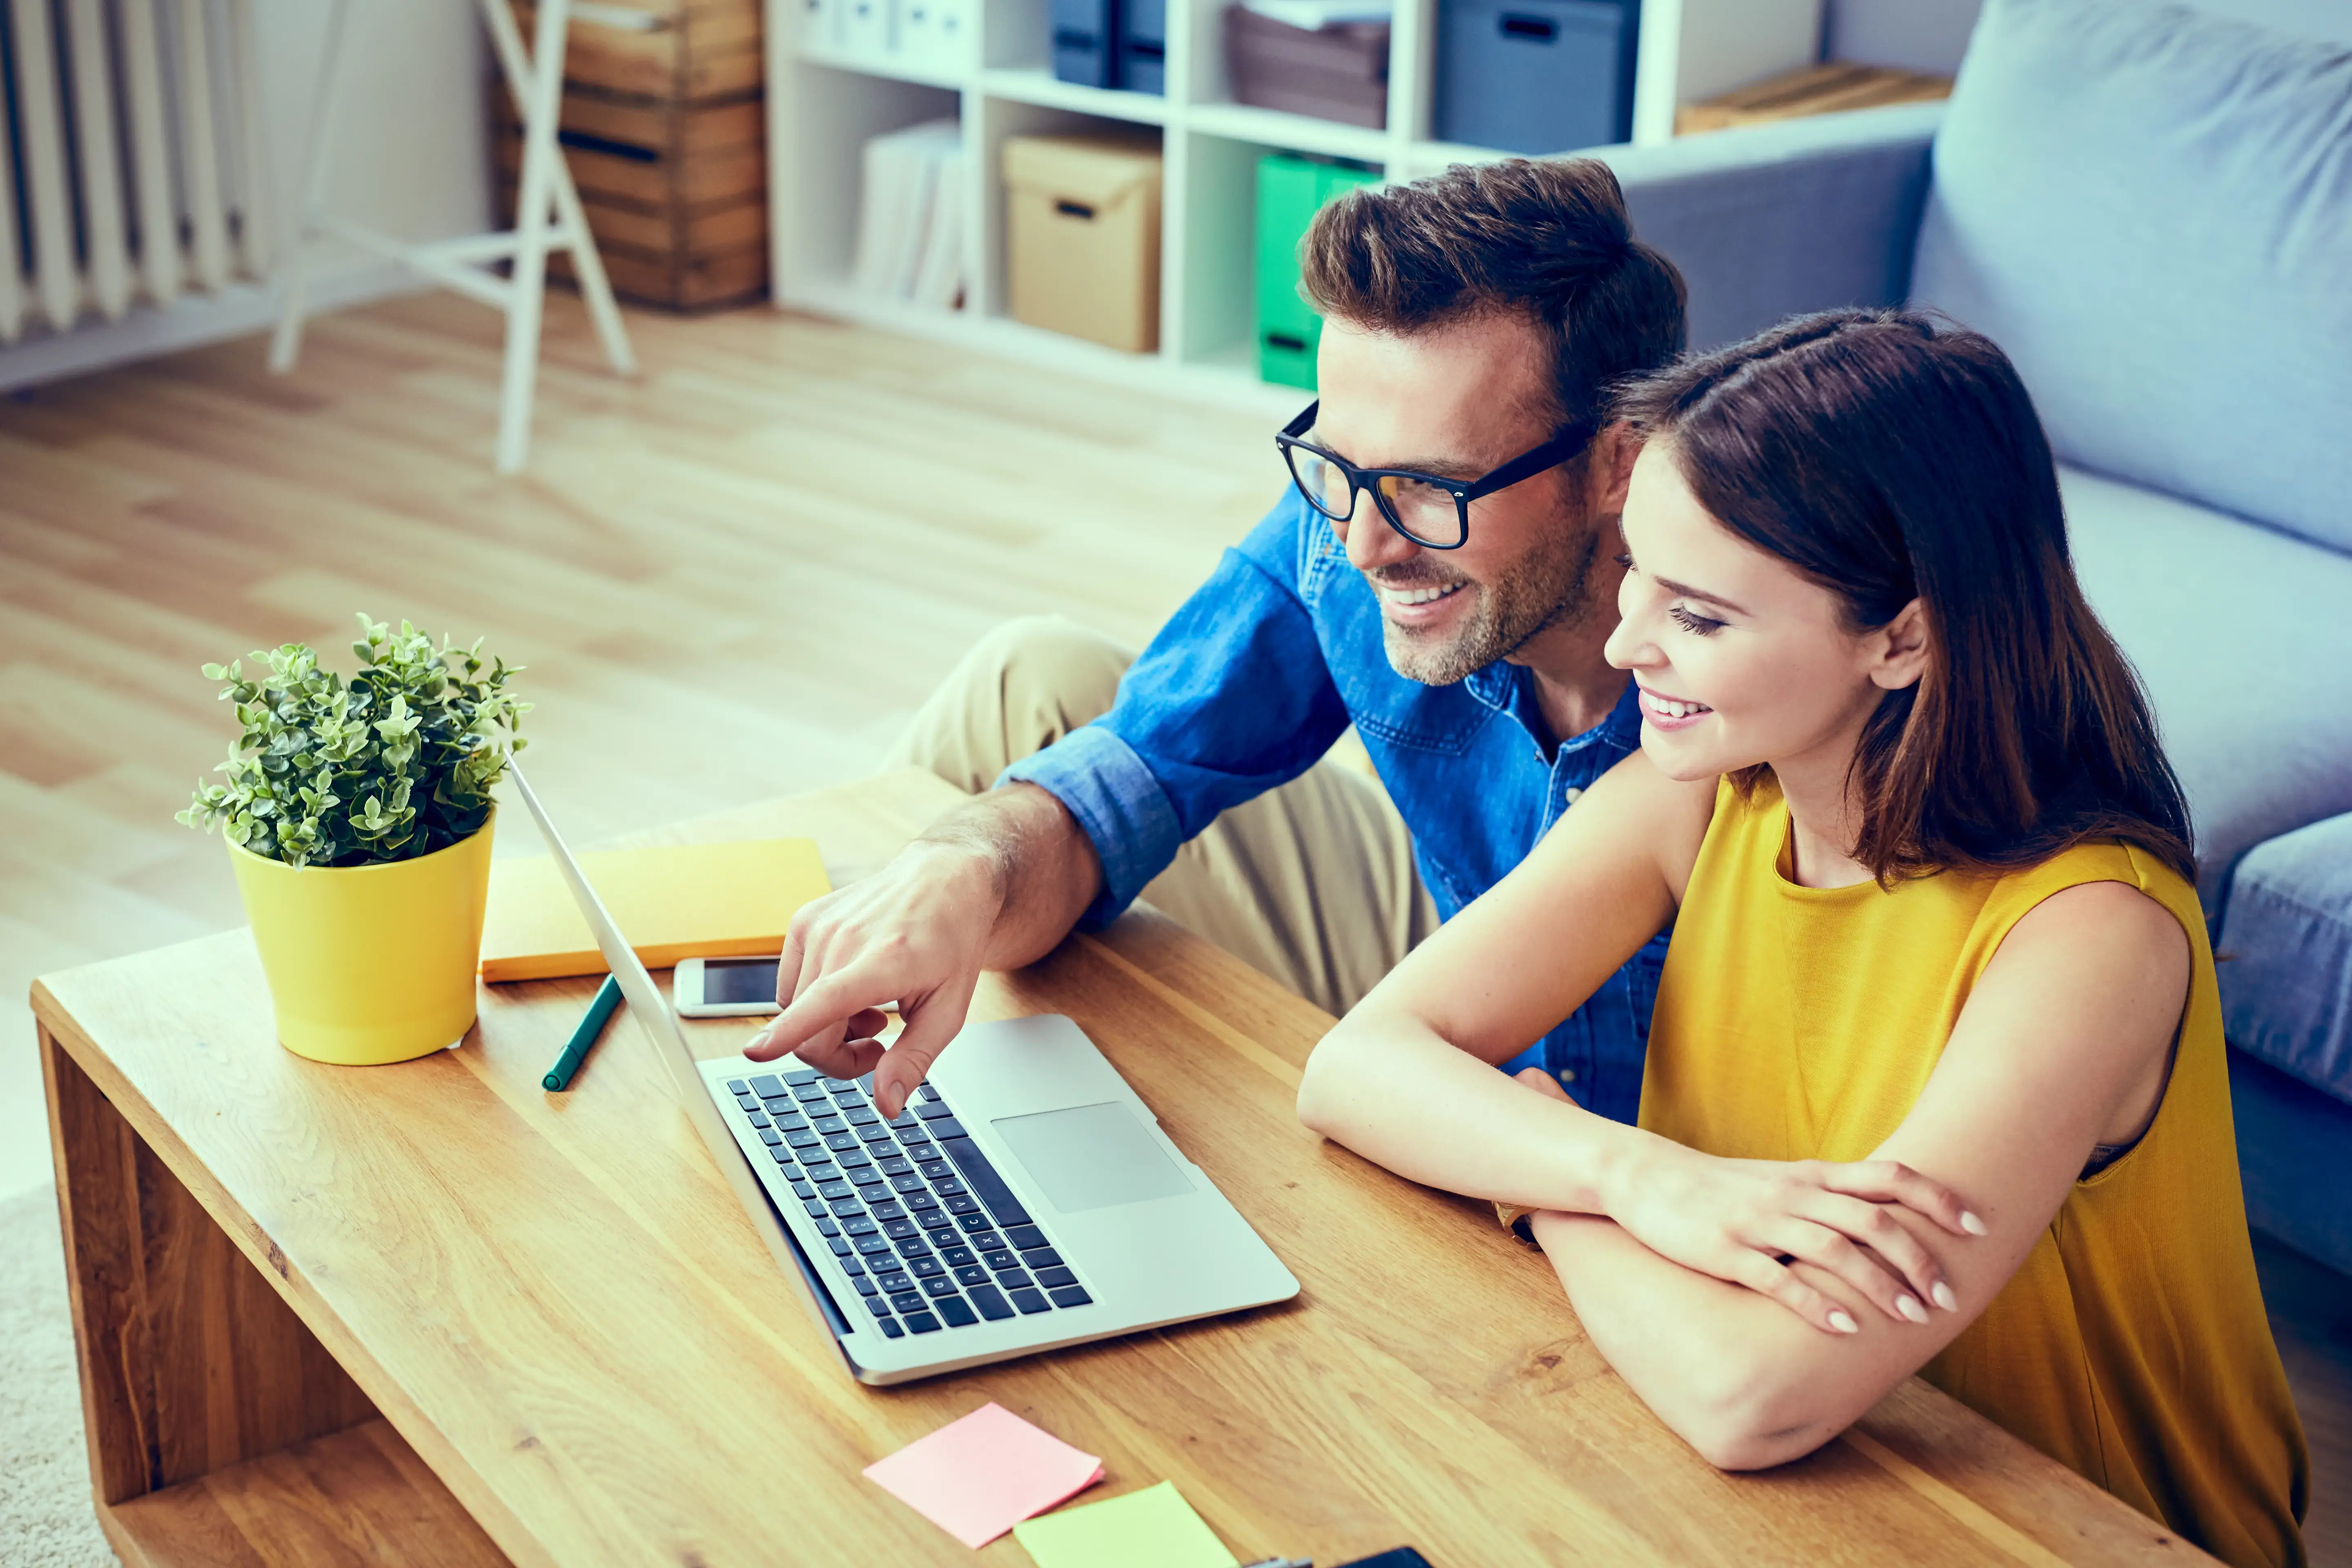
(1509, 689)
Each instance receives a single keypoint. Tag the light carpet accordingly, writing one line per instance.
(45, 1520)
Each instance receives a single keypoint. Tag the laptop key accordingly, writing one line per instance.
(787, 1116)
(908, 1301)
(1071, 1296)
(878, 1139)
(869, 1181)
(801, 1075)
(948, 1127)
(941, 1288)
(910, 1183)
(861, 1115)
(802, 1139)
(852, 1159)
(780, 1155)
(840, 1143)
(866, 1286)
(990, 1302)
(931, 1109)
(837, 1189)
(872, 1245)
(957, 1256)
(936, 1219)
(939, 1167)
(999, 1257)
(757, 1117)
(957, 1314)
(926, 1268)
(765, 1086)
(1025, 1236)
(769, 1135)
(888, 1208)
(912, 1246)
(986, 1241)
(804, 1190)
(922, 1323)
(810, 1094)
(1050, 1278)
(971, 1274)
(1032, 1301)
(949, 1187)
(817, 1207)
(894, 1282)
(899, 1229)
(962, 1204)
(840, 1245)
(897, 1165)
(890, 1328)
(1041, 1257)
(858, 1225)
(1014, 1279)
(853, 1264)
(737, 1086)
(922, 1200)
(926, 1091)
(879, 1308)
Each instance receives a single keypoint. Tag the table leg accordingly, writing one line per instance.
(220, 1430)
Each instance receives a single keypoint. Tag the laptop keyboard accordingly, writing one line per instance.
(925, 1227)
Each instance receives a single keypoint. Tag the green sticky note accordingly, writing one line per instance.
(1154, 1527)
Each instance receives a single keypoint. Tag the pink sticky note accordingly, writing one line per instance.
(979, 1477)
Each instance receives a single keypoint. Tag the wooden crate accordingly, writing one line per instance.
(686, 51)
(675, 192)
(1816, 89)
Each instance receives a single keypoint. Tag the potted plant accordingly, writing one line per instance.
(358, 818)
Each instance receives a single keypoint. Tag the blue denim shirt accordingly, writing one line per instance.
(1250, 683)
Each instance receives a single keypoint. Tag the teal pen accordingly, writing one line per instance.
(608, 996)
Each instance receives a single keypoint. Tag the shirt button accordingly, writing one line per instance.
(1568, 1075)
(1571, 795)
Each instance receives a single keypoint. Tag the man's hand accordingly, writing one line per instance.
(995, 885)
(916, 934)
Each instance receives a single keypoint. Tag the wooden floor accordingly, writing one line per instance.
(732, 577)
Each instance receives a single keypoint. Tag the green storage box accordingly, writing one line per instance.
(1290, 191)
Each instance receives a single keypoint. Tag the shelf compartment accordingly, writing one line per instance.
(1041, 88)
(1272, 128)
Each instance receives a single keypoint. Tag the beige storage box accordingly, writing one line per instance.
(1083, 237)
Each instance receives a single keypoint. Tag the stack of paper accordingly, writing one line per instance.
(911, 229)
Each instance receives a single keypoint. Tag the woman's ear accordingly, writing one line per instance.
(1900, 658)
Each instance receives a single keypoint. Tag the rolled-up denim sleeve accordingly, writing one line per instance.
(1232, 698)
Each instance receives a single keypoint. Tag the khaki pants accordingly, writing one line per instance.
(1312, 883)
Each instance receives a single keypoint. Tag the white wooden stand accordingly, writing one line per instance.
(547, 218)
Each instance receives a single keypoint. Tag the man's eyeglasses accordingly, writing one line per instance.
(1428, 509)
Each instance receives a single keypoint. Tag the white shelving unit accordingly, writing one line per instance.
(825, 101)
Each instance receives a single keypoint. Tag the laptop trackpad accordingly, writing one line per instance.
(1091, 1157)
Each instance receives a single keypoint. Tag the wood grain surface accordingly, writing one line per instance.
(556, 1304)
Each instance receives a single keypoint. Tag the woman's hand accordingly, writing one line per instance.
(1744, 1221)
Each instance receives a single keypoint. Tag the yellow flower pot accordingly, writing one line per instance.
(370, 964)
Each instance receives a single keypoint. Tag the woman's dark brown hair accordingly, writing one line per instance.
(1888, 457)
(1545, 238)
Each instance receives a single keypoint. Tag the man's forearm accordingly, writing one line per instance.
(1042, 867)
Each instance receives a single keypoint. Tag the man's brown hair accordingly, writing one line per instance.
(1544, 240)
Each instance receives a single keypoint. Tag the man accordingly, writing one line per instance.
(1452, 605)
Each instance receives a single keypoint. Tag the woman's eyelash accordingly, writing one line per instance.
(1626, 562)
(1699, 625)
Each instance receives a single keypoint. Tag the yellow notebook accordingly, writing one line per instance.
(686, 900)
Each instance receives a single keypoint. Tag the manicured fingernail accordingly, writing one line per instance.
(1909, 1307)
(1970, 1223)
(1845, 1324)
(1944, 1297)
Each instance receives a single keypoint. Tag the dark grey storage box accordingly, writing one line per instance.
(1536, 75)
(1340, 72)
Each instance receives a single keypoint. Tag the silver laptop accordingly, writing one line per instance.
(1025, 1199)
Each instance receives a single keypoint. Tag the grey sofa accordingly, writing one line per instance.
(2150, 209)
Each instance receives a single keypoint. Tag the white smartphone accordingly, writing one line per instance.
(725, 987)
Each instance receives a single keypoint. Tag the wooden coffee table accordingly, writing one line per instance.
(432, 1314)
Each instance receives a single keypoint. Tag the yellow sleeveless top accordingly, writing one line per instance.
(1802, 1022)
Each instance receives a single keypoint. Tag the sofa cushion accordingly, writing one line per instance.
(2150, 209)
(2286, 951)
(2241, 637)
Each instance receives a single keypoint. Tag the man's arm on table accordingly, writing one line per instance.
(1232, 698)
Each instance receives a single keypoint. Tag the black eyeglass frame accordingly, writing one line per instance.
(1565, 443)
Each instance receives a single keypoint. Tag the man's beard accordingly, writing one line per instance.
(1547, 587)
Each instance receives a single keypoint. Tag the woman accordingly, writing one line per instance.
(1936, 933)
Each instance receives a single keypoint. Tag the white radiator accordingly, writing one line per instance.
(132, 161)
